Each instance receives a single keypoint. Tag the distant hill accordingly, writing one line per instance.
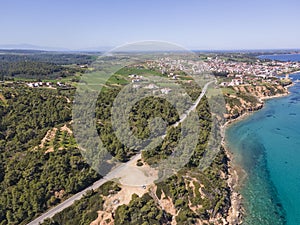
(32, 47)
(43, 48)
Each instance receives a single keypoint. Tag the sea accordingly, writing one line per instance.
(266, 151)
(282, 57)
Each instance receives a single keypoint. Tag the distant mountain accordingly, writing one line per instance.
(108, 48)
(43, 48)
(95, 49)
(31, 47)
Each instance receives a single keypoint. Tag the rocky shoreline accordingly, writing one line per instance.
(236, 210)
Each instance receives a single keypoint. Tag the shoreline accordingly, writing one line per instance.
(236, 174)
(290, 73)
(297, 71)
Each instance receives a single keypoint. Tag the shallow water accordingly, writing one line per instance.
(267, 146)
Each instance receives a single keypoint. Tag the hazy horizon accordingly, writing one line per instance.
(31, 47)
(209, 25)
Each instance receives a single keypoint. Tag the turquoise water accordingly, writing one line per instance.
(266, 146)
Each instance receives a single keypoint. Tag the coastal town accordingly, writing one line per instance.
(236, 72)
(228, 71)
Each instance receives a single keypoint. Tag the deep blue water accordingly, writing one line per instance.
(266, 146)
(282, 57)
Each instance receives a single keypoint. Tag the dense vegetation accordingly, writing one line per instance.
(41, 65)
(36, 70)
(84, 211)
(47, 57)
(216, 198)
(104, 126)
(35, 177)
(184, 190)
(170, 141)
(141, 210)
(32, 180)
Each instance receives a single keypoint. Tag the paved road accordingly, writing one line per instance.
(110, 175)
(80, 194)
(66, 203)
(193, 107)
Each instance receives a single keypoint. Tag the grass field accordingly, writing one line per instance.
(138, 71)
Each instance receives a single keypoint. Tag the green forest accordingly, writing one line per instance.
(41, 65)
(31, 180)
(144, 209)
(36, 175)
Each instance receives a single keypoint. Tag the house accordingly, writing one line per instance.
(59, 84)
(135, 80)
(30, 85)
(236, 82)
(133, 76)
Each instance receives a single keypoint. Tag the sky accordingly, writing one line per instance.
(193, 24)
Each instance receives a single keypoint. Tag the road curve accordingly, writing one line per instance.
(70, 201)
